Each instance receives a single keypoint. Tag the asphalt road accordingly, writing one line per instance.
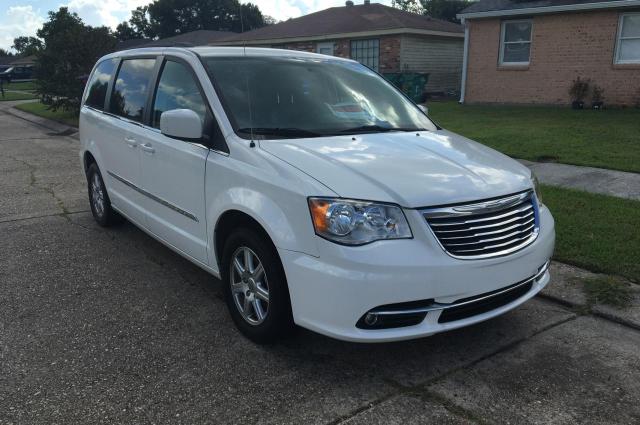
(108, 326)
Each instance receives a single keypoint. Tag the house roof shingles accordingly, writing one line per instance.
(501, 5)
(348, 19)
(195, 38)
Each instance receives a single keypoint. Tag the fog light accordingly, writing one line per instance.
(370, 319)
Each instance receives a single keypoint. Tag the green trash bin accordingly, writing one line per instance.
(412, 84)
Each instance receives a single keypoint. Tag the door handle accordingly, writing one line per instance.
(147, 148)
(131, 142)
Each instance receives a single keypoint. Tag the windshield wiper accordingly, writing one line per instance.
(377, 129)
(278, 131)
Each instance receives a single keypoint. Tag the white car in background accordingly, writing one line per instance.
(316, 191)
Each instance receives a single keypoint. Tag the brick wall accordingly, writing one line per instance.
(305, 46)
(564, 46)
(389, 54)
(389, 50)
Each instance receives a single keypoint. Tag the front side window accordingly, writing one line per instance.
(628, 45)
(515, 42)
(367, 52)
(97, 91)
(177, 90)
(289, 97)
(129, 95)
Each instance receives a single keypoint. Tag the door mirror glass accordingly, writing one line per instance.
(181, 124)
(424, 109)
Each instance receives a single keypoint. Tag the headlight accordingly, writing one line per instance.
(357, 222)
(536, 187)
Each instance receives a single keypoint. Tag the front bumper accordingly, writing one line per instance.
(331, 293)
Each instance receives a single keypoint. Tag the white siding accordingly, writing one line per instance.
(440, 57)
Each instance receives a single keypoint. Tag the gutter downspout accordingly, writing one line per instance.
(465, 59)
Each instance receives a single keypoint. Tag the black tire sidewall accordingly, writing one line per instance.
(109, 216)
(279, 322)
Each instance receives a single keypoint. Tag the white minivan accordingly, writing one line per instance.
(316, 191)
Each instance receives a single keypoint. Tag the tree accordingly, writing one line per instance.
(125, 32)
(439, 9)
(444, 9)
(71, 48)
(139, 22)
(270, 20)
(5, 53)
(27, 46)
(413, 6)
(167, 18)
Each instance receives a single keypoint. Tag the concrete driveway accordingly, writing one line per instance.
(108, 326)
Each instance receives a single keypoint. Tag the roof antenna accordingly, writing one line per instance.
(252, 144)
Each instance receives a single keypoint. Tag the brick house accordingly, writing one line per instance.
(386, 39)
(531, 51)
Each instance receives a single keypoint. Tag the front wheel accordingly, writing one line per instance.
(256, 288)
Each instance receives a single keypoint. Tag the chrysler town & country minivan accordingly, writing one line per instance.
(317, 192)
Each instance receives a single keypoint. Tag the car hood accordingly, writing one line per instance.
(432, 168)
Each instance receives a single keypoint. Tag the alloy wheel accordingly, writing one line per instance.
(97, 195)
(249, 286)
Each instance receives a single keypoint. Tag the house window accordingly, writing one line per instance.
(628, 45)
(325, 48)
(515, 42)
(367, 52)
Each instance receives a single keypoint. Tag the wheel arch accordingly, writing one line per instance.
(281, 217)
(233, 219)
(87, 160)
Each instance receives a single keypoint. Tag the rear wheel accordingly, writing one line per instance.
(99, 198)
(256, 289)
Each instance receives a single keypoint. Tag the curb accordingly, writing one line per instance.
(565, 290)
(56, 127)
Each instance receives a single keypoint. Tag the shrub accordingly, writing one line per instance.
(579, 89)
(597, 94)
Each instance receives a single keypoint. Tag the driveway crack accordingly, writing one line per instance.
(421, 389)
(33, 182)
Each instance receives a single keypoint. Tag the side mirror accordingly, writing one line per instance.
(181, 124)
(424, 109)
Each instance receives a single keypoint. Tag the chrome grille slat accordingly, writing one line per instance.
(478, 220)
(519, 232)
(494, 246)
(485, 229)
(531, 220)
(488, 226)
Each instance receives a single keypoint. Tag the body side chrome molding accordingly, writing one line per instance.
(439, 306)
(154, 197)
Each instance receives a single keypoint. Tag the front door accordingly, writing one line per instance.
(174, 170)
(120, 145)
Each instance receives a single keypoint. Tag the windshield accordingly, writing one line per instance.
(294, 97)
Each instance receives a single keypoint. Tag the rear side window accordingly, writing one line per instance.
(177, 90)
(129, 95)
(99, 83)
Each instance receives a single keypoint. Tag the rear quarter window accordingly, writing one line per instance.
(97, 91)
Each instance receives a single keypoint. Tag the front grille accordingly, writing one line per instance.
(486, 229)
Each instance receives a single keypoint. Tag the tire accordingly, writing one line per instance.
(248, 287)
(99, 200)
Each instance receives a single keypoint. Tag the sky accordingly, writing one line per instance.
(24, 17)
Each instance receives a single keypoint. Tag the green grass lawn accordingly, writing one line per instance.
(37, 108)
(597, 232)
(16, 96)
(23, 85)
(606, 139)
